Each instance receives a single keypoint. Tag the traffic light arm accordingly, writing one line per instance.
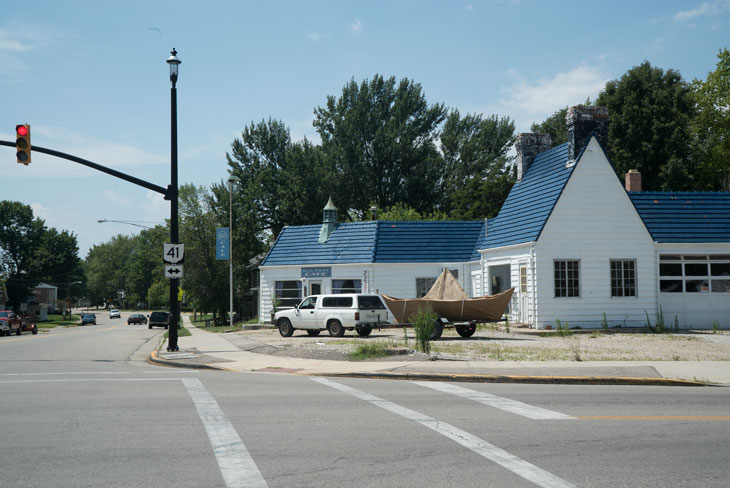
(98, 167)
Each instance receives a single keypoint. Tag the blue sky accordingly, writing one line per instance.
(91, 78)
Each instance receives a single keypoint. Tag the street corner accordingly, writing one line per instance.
(187, 359)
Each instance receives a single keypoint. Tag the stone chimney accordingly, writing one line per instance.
(329, 221)
(528, 145)
(633, 180)
(582, 121)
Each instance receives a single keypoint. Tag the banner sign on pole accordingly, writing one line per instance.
(222, 244)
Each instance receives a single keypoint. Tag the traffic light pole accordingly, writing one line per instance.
(174, 236)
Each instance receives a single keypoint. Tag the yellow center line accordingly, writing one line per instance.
(653, 417)
(44, 334)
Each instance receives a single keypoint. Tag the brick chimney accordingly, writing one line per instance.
(582, 121)
(633, 180)
(528, 145)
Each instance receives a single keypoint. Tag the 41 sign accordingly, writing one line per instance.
(173, 253)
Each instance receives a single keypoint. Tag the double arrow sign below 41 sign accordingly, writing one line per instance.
(173, 254)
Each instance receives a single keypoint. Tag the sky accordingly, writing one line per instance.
(91, 78)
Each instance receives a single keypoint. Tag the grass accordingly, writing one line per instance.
(369, 350)
(181, 332)
(58, 321)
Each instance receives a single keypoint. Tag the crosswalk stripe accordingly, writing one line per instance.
(506, 404)
(520, 467)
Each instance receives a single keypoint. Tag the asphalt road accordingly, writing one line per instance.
(81, 407)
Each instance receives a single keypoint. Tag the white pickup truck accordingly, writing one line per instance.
(335, 313)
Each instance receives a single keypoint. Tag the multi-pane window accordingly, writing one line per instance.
(423, 286)
(288, 293)
(523, 279)
(623, 278)
(694, 273)
(567, 278)
(346, 286)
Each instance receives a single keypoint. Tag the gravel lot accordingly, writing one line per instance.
(497, 344)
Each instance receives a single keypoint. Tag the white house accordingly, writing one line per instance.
(576, 244)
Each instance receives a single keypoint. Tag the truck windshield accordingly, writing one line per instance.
(4, 314)
(369, 303)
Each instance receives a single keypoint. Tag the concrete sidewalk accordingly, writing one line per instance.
(210, 350)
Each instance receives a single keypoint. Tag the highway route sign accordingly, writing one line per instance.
(173, 253)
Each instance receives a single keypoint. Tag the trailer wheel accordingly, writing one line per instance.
(438, 329)
(466, 330)
(285, 328)
(364, 331)
(313, 332)
(335, 328)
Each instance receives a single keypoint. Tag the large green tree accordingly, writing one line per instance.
(649, 128)
(31, 253)
(711, 126)
(477, 175)
(380, 138)
(555, 126)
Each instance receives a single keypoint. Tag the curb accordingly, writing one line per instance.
(488, 378)
(155, 359)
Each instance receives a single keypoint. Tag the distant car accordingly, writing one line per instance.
(136, 318)
(115, 314)
(159, 319)
(88, 318)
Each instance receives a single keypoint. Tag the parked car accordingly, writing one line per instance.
(88, 318)
(159, 319)
(17, 323)
(136, 318)
(335, 313)
(115, 314)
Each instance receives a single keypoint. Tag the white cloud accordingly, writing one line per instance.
(469, 7)
(40, 211)
(356, 26)
(534, 100)
(705, 8)
(314, 36)
(115, 197)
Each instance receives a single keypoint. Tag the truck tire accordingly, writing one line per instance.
(20, 328)
(335, 328)
(364, 330)
(313, 332)
(438, 329)
(35, 329)
(466, 330)
(285, 328)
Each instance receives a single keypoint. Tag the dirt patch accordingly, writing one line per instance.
(497, 344)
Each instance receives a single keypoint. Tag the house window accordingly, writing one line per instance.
(567, 278)
(623, 278)
(346, 286)
(287, 293)
(523, 279)
(423, 286)
(694, 273)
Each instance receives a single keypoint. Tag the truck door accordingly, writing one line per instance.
(307, 313)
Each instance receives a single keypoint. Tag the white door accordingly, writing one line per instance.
(476, 283)
(524, 301)
(315, 287)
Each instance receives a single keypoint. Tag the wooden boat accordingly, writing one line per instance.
(448, 299)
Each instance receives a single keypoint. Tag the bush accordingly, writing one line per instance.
(423, 323)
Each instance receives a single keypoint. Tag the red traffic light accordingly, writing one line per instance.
(21, 130)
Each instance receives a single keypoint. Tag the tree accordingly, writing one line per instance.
(379, 138)
(402, 212)
(31, 253)
(649, 128)
(477, 176)
(555, 126)
(711, 126)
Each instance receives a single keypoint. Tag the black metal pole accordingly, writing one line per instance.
(174, 237)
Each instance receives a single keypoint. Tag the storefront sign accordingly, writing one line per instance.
(316, 272)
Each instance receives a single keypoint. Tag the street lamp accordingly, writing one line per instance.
(136, 223)
(68, 296)
(231, 180)
(172, 195)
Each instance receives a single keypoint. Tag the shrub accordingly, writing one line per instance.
(423, 323)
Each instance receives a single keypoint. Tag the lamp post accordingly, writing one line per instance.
(136, 223)
(68, 296)
(174, 62)
(231, 180)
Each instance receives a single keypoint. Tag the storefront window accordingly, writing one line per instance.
(288, 293)
(346, 286)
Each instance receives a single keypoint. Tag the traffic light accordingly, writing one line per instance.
(22, 143)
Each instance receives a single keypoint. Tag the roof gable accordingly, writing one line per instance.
(530, 202)
(684, 216)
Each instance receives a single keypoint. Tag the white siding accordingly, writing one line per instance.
(395, 279)
(514, 256)
(594, 222)
(694, 310)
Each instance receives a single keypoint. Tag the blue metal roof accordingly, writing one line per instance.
(380, 241)
(530, 202)
(685, 216)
